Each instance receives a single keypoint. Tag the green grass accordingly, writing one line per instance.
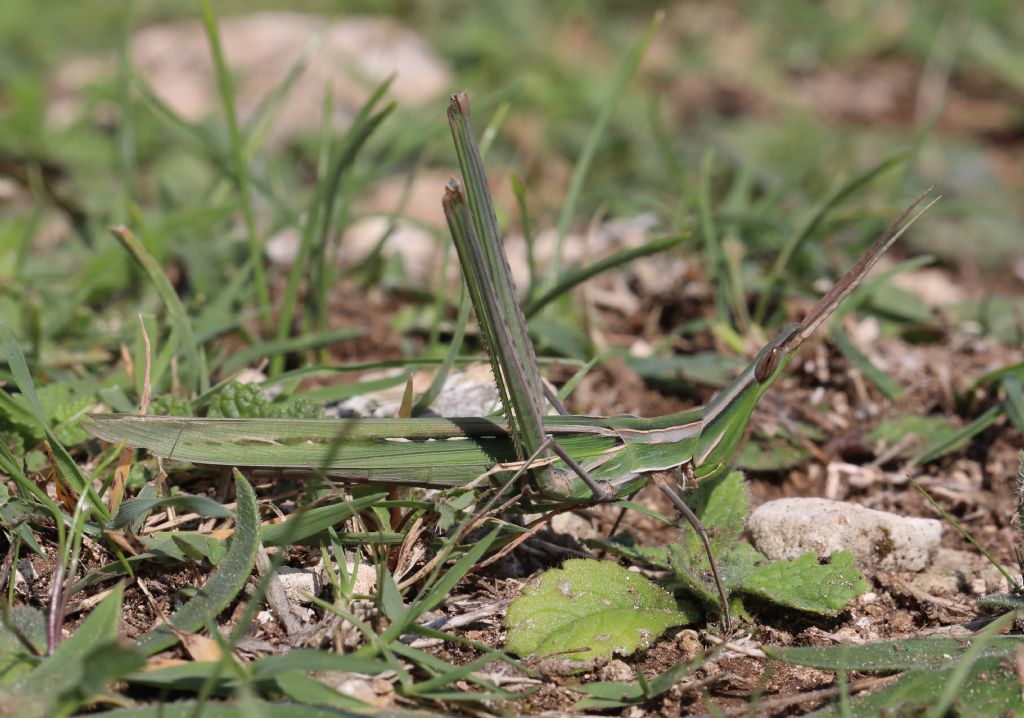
(595, 119)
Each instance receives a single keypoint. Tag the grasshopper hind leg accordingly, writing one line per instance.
(698, 527)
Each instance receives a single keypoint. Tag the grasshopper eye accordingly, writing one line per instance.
(766, 367)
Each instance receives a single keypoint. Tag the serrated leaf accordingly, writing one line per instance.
(224, 584)
(132, 509)
(804, 584)
(693, 573)
(590, 609)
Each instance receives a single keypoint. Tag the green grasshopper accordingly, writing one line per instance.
(618, 452)
(598, 458)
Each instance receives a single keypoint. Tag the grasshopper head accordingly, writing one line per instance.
(726, 417)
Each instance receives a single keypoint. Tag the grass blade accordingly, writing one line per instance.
(65, 464)
(279, 347)
(1014, 401)
(224, 584)
(363, 127)
(947, 444)
(316, 230)
(240, 169)
(439, 590)
(424, 402)
(798, 239)
(579, 174)
(582, 274)
(175, 309)
(312, 522)
(885, 383)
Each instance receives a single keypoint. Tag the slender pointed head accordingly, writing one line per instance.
(726, 417)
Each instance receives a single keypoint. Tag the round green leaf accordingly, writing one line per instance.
(591, 609)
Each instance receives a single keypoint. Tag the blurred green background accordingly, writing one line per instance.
(784, 102)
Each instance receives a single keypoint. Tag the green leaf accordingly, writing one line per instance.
(68, 467)
(191, 676)
(132, 509)
(680, 372)
(306, 689)
(624, 546)
(277, 347)
(891, 301)
(988, 690)
(79, 669)
(196, 546)
(923, 428)
(924, 654)
(309, 660)
(591, 609)
(775, 453)
(577, 275)
(224, 584)
(308, 524)
(15, 659)
(211, 709)
(175, 309)
(946, 444)
(1014, 401)
(722, 504)
(885, 383)
(807, 585)
(971, 677)
(1002, 602)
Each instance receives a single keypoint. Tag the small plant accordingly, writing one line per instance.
(592, 609)
(540, 623)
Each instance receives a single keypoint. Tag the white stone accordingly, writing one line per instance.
(469, 391)
(366, 579)
(351, 54)
(788, 528)
(300, 583)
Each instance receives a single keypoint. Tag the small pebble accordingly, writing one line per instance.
(300, 583)
(787, 528)
(616, 670)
